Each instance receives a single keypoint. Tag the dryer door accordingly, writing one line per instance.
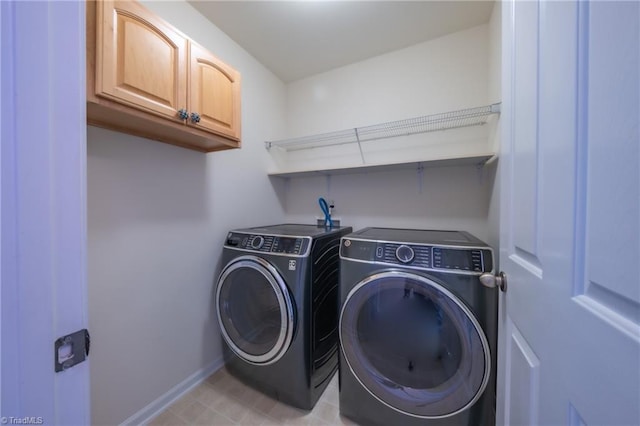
(255, 310)
(414, 345)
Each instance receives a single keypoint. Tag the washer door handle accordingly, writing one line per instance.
(491, 281)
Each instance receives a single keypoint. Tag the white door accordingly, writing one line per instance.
(570, 221)
(43, 232)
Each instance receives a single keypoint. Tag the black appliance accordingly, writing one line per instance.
(418, 330)
(277, 305)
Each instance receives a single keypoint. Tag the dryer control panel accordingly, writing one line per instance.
(285, 245)
(469, 260)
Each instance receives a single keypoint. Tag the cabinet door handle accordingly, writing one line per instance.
(183, 114)
(195, 117)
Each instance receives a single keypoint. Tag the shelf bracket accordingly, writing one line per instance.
(420, 171)
(359, 145)
(287, 185)
(480, 172)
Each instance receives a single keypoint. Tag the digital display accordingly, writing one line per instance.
(285, 245)
(457, 259)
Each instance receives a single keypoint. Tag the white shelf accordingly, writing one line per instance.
(428, 123)
(418, 141)
(475, 159)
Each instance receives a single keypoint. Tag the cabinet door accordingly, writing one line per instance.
(214, 93)
(140, 60)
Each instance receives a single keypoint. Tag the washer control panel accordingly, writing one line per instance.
(422, 256)
(267, 243)
(403, 254)
(287, 245)
(463, 259)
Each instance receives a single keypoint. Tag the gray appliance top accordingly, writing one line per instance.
(291, 229)
(419, 236)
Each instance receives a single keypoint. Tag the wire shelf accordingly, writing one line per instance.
(430, 123)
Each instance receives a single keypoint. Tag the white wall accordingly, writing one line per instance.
(440, 75)
(157, 217)
(443, 198)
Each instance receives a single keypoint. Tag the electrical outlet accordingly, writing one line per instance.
(320, 221)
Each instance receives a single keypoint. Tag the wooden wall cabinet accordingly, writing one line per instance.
(146, 78)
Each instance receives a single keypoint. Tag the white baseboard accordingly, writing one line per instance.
(156, 407)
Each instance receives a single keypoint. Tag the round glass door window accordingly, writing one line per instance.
(414, 345)
(255, 311)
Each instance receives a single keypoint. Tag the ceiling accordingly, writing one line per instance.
(296, 39)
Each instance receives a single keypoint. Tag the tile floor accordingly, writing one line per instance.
(224, 400)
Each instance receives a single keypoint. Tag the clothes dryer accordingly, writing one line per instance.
(417, 328)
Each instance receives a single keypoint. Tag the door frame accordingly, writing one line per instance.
(506, 128)
(43, 214)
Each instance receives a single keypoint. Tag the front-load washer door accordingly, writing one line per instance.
(414, 345)
(255, 310)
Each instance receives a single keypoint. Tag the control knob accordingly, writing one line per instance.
(404, 254)
(257, 242)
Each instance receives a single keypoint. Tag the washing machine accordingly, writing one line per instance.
(417, 328)
(277, 303)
